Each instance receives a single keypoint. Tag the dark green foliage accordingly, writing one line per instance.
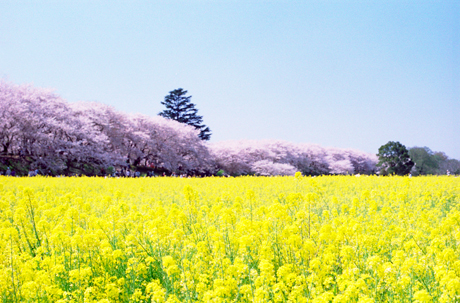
(179, 108)
(20, 165)
(432, 163)
(425, 162)
(394, 159)
(110, 170)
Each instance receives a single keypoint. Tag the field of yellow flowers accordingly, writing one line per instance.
(246, 239)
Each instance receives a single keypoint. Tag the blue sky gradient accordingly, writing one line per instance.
(351, 74)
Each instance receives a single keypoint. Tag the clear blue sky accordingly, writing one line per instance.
(352, 74)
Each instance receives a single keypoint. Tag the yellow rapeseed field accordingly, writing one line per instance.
(247, 239)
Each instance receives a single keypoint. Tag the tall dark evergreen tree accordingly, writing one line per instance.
(179, 108)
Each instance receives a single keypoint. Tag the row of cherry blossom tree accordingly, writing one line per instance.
(57, 136)
(270, 157)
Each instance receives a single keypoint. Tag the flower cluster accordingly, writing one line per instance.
(247, 239)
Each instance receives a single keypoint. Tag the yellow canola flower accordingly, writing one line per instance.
(422, 296)
(246, 239)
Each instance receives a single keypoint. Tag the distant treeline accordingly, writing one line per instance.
(41, 131)
(428, 162)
